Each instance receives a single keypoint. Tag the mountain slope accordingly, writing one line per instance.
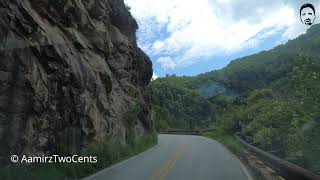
(261, 69)
(271, 98)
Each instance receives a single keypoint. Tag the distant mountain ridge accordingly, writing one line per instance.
(254, 71)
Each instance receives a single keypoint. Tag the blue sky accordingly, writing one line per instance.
(218, 61)
(189, 37)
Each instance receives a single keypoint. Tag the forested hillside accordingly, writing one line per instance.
(272, 99)
(175, 106)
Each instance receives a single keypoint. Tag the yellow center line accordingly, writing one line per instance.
(161, 173)
(173, 162)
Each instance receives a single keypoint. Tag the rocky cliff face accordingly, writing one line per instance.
(70, 74)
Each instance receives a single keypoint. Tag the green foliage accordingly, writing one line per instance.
(264, 136)
(285, 120)
(178, 107)
(107, 155)
(162, 117)
(226, 139)
(259, 94)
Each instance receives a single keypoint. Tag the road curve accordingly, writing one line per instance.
(178, 157)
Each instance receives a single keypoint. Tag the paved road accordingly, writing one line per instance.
(178, 157)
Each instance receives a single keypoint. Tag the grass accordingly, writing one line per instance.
(228, 140)
(107, 155)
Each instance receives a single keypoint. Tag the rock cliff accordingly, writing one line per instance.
(71, 74)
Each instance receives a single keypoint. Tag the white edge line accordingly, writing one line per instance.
(243, 167)
(118, 164)
(245, 170)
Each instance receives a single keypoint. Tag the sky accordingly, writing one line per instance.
(190, 37)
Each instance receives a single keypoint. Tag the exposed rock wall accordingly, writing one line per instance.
(70, 74)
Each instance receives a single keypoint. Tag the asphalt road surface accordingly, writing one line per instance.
(178, 157)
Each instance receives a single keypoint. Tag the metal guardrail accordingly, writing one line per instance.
(187, 132)
(284, 168)
(207, 130)
(181, 132)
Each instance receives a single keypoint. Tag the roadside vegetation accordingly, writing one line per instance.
(227, 139)
(107, 155)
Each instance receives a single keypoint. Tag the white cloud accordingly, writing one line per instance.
(205, 28)
(154, 77)
(166, 63)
